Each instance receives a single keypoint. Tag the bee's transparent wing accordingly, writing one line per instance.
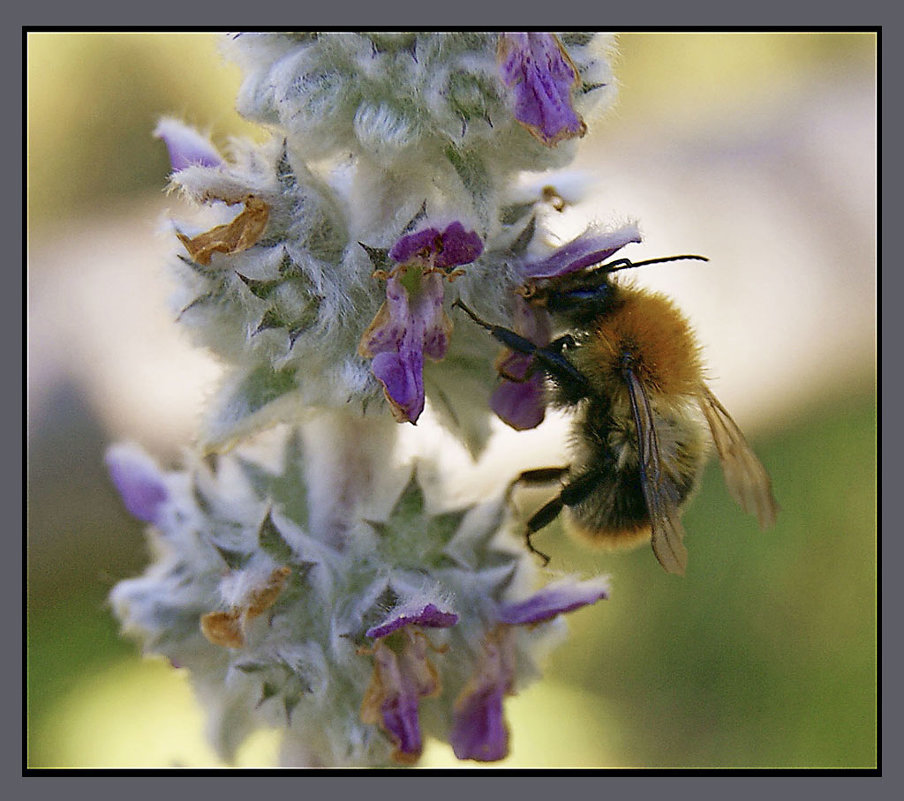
(659, 493)
(746, 478)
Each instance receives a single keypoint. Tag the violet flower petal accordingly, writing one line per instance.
(400, 679)
(138, 481)
(479, 730)
(520, 405)
(404, 331)
(541, 77)
(392, 701)
(401, 375)
(388, 328)
(430, 323)
(186, 145)
(459, 247)
(412, 324)
(554, 599)
(450, 248)
(588, 249)
(427, 240)
(431, 616)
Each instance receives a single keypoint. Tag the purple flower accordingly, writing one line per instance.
(138, 481)
(541, 77)
(186, 145)
(520, 400)
(479, 730)
(402, 676)
(412, 323)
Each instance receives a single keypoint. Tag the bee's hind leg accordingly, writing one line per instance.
(571, 494)
(539, 475)
(544, 516)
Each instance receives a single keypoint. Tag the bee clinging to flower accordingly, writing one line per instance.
(629, 366)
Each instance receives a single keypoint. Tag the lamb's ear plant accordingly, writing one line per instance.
(301, 574)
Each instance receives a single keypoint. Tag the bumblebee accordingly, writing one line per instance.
(630, 368)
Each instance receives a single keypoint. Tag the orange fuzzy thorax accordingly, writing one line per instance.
(655, 337)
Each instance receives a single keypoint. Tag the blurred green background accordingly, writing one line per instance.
(757, 149)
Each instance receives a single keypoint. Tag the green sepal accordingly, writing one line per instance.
(248, 402)
(272, 542)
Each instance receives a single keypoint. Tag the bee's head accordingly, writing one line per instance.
(586, 294)
(580, 296)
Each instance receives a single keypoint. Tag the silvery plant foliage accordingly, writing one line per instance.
(312, 584)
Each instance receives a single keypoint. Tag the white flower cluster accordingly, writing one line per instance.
(275, 605)
(284, 292)
(318, 590)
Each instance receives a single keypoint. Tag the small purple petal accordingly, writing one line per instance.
(428, 240)
(453, 247)
(404, 331)
(479, 730)
(431, 616)
(583, 251)
(459, 246)
(520, 405)
(478, 722)
(400, 718)
(398, 683)
(429, 323)
(542, 78)
(387, 330)
(186, 146)
(398, 704)
(554, 599)
(401, 375)
(138, 480)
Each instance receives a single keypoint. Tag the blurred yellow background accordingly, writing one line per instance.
(756, 149)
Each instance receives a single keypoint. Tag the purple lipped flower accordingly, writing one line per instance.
(412, 323)
(479, 730)
(402, 676)
(542, 79)
(138, 481)
(186, 145)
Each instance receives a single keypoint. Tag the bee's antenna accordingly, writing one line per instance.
(625, 264)
(458, 302)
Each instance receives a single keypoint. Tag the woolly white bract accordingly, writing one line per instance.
(319, 591)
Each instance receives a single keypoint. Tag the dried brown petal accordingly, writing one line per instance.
(234, 237)
(228, 628)
(262, 599)
(223, 628)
